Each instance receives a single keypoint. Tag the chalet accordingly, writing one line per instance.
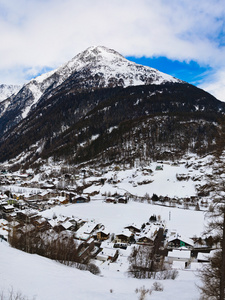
(110, 200)
(8, 209)
(144, 240)
(86, 231)
(41, 224)
(123, 237)
(103, 234)
(27, 215)
(63, 200)
(177, 241)
(122, 200)
(3, 203)
(60, 226)
(80, 199)
(133, 229)
(108, 254)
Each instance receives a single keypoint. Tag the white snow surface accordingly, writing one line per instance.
(117, 216)
(44, 279)
(8, 90)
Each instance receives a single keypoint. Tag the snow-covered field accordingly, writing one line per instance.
(116, 216)
(45, 279)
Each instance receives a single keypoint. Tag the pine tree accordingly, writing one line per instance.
(213, 274)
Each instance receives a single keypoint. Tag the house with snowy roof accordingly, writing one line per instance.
(133, 228)
(80, 199)
(87, 230)
(148, 234)
(123, 237)
(108, 254)
(103, 234)
(177, 240)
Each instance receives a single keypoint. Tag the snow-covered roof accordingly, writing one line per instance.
(149, 231)
(125, 232)
(203, 256)
(106, 252)
(66, 224)
(182, 238)
(87, 228)
(9, 206)
(179, 254)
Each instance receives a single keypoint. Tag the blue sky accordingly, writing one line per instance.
(183, 38)
(191, 72)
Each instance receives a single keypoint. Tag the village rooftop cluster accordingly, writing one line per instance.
(24, 201)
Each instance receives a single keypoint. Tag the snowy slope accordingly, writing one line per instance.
(8, 90)
(39, 277)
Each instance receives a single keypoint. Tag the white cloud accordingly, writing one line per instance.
(215, 85)
(40, 33)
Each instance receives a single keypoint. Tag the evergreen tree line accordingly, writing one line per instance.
(177, 116)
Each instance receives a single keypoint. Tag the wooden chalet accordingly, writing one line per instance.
(80, 199)
(178, 241)
(133, 229)
(41, 224)
(145, 241)
(122, 200)
(110, 200)
(8, 209)
(27, 215)
(108, 254)
(123, 237)
(103, 235)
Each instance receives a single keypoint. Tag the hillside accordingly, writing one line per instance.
(99, 107)
(160, 122)
(94, 68)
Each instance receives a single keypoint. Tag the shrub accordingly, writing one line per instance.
(12, 295)
(93, 269)
(157, 286)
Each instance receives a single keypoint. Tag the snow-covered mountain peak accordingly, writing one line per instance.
(99, 54)
(96, 67)
(113, 69)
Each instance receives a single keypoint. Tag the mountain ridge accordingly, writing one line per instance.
(92, 113)
(105, 67)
